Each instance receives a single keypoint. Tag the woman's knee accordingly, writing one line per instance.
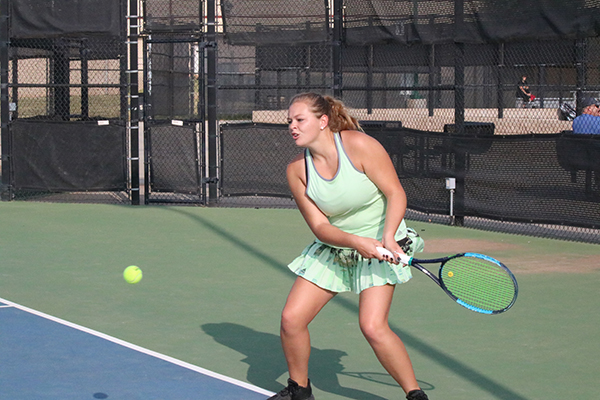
(374, 330)
(292, 321)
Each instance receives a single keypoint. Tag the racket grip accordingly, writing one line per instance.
(404, 259)
(385, 252)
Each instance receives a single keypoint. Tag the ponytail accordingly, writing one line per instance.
(339, 118)
(336, 111)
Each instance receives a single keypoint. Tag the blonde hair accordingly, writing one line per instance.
(336, 111)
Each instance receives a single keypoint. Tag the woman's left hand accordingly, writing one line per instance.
(395, 248)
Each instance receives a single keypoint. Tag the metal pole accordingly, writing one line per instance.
(134, 103)
(338, 10)
(500, 77)
(370, 67)
(459, 69)
(211, 99)
(431, 94)
(580, 68)
(459, 110)
(5, 188)
(85, 99)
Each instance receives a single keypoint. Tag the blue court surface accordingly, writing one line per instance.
(43, 357)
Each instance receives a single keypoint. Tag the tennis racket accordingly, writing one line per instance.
(475, 281)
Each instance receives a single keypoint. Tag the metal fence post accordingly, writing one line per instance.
(500, 83)
(459, 109)
(211, 99)
(134, 103)
(580, 69)
(4, 105)
(338, 10)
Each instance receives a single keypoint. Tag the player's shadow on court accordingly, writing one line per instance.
(267, 363)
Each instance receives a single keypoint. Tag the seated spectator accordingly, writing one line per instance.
(589, 119)
(523, 92)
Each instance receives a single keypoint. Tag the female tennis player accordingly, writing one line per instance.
(347, 190)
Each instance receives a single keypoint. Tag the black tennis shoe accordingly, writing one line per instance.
(293, 391)
(417, 394)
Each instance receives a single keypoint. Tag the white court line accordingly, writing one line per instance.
(139, 349)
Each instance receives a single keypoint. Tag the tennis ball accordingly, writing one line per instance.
(132, 274)
(450, 274)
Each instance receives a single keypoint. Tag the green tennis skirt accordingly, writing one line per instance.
(345, 270)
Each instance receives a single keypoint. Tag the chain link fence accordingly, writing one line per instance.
(440, 84)
(64, 135)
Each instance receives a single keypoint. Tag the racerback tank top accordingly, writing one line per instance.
(350, 200)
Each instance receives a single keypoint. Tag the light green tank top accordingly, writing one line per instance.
(350, 200)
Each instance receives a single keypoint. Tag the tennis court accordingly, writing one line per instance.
(203, 323)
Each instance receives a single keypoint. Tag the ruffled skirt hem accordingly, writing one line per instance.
(345, 270)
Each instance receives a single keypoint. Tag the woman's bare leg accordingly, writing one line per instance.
(303, 303)
(374, 310)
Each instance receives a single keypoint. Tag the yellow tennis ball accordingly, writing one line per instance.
(132, 274)
(450, 274)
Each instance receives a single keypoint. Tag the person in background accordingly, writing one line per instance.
(589, 119)
(523, 92)
(348, 192)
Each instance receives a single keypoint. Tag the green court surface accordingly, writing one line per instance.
(215, 281)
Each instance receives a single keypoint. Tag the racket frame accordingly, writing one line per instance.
(415, 263)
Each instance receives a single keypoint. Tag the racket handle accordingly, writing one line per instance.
(404, 259)
(385, 252)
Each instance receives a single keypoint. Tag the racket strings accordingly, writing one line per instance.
(479, 283)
